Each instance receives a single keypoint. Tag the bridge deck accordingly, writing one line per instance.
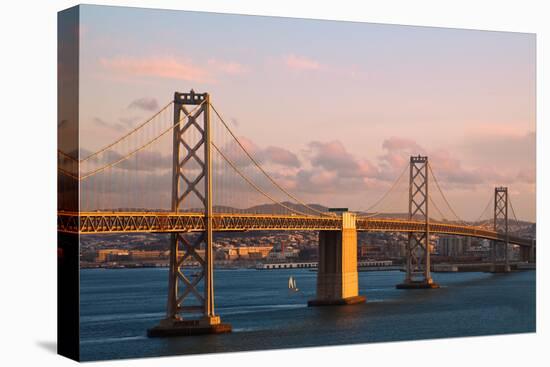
(167, 222)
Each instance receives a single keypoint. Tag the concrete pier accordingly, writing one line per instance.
(527, 253)
(168, 327)
(418, 284)
(337, 277)
(500, 268)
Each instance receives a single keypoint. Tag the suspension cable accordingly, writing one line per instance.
(67, 173)
(252, 183)
(141, 147)
(404, 194)
(436, 207)
(514, 213)
(263, 171)
(394, 185)
(443, 195)
(484, 210)
(66, 155)
(128, 133)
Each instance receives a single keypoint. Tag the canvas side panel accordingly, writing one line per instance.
(68, 340)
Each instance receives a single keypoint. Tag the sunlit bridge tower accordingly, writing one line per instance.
(501, 227)
(418, 246)
(190, 307)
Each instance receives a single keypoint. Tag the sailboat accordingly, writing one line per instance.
(292, 285)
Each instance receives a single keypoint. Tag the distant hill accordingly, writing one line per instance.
(277, 209)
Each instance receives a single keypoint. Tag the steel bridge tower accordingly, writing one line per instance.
(183, 316)
(501, 226)
(418, 246)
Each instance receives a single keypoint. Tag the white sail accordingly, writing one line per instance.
(292, 284)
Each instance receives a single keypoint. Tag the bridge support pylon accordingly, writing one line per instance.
(526, 254)
(532, 257)
(337, 277)
(184, 317)
(418, 275)
(501, 224)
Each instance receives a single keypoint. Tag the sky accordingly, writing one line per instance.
(334, 109)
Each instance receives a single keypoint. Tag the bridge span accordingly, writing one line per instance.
(168, 222)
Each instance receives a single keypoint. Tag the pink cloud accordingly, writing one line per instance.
(333, 156)
(171, 68)
(497, 130)
(323, 178)
(268, 155)
(330, 170)
(447, 168)
(249, 145)
(230, 68)
(403, 144)
(280, 156)
(396, 156)
(301, 63)
(163, 67)
(527, 175)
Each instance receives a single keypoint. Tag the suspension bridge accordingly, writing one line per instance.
(184, 171)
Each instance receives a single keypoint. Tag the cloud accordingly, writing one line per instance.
(144, 160)
(269, 155)
(447, 168)
(171, 67)
(485, 129)
(327, 172)
(145, 103)
(295, 62)
(122, 189)
(230, 68)
(163, 67)
(302, 63)
(527, 175)
(333, 156)
(128, 120)
(102, 123)
(280, 156)
(328, 169)
(402, 144)
(397, 155)
(514, 147)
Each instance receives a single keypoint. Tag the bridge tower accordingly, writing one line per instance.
(501, 226)
(183, 316)
(418, 274)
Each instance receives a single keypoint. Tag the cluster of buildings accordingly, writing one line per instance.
(229, 250)
(249, 249)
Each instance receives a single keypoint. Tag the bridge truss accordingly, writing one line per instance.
(167, 222)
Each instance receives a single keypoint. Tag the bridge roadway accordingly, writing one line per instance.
(167, 222)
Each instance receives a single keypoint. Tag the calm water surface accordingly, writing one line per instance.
(119, 305)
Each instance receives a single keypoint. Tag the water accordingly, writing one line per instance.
(119, 305)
